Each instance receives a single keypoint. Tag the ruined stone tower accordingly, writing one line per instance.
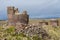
(14, 16)
(24, 17)
(10, 11)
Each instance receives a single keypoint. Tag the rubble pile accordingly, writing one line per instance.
(31, 30)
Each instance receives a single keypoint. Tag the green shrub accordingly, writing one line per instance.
(10, 30)
(36, 38)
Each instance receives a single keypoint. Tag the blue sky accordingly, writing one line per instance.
(35, 8)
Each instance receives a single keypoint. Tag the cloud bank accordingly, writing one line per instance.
(35, 8)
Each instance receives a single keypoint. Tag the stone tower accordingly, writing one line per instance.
(24, 17)
(16, 15)
(16, 10)
(10, 11)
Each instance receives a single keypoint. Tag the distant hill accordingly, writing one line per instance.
(37, 18)
(46, 18)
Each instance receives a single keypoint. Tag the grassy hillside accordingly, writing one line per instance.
(47, 32)
(9, 34)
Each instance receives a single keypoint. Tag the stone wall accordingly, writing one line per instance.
(55, 22)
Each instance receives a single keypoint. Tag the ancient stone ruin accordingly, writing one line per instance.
(15, 17)
(52, 22)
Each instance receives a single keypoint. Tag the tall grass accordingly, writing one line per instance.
(10, 34)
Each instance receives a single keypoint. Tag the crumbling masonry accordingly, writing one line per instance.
(14, 16)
